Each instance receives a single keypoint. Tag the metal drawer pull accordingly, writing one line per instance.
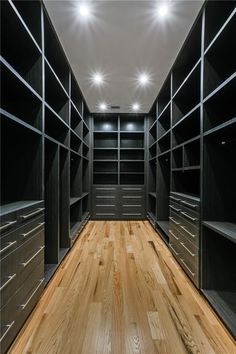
(131, 189)
(103, 214)
(175, 199)
(23, 306)
(36, 228)
(194, 206)
(192, 254)
(193, 274)
(5, 226)
(105, 205)
(131, 205)
(8, 329)
(188, 232)
(172, 234)
(131, 197)
(176, 253)
(131, 214)
(10, 244)
(105, 189)
(10, 278)
(174, 221)
(105, 197)
(35, 255)
(25, 217)
(175, 209)
(188, 216)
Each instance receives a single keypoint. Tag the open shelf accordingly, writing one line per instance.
(55, 54)
(75, 218)
(186, 181)
(152, 206)
(105, 167)
(132, 166)
(187, 97)
(56, 128)
(225, 229)
(105, 140)
(153, 151)
(163, 123)
(20, 156)
(105, 155)
(76, 122)
(188, 56)
(216, 13)
(131, 124)
(219, 61)
(164, 143)
(192, 153)
(152, 177)
(177, 158)
(64, 201)
(85, 177)
(164, 227)
(76, 95)
(105, 178)
(29, 65)
(27, 106)
(75, 176)
(55, 95)
(75, 143)
(132, 155)
(188, 128)
(106, 123)
(129, 140)
(153, 133)
(132, 178)
(164, 95)
(220, 108)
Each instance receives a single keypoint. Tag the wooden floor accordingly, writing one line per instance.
(120, 291)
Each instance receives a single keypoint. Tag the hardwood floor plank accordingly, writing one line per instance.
(120, 291)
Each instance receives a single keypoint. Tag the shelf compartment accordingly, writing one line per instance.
(152, 177)
(164, 143)
(220, 108)
(132, 155)
(75, 218)
(132, 179)
(85, 176)
(64, 199)
(76, 122)
(152, 206)
(132, 167)
(153, 133)
(55, 54)
(85, 207)
(216, 13)
(153, 151)
(105, 140)
(76, 95)
(19, 156)
(75, 175)
(85, 151)
(188, 56)
(131, 124)
(225, 229)
(192, 154)
(177, 158)
(164, 95)
(218, 278)
(105, 179)
(163, 123)
(55, 128)
(27, 106)
(29, 65)
(105, 167)
(163, 188)
(75, 143)
(219, 61)
(105, 155)
(106, 123)
(129, 140)
(186, 181)
(187, 97)
(188, 128)
(55, 95)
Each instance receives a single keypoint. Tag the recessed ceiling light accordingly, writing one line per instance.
(163, 10)
(98, 78)
(103, 106)
(136, 107)
(143, 79)
(84, 10)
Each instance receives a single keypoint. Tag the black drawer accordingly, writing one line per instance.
(8, 222)
(188, 229)
(30, 249)
(105, 191)
(190, 269)
(30, 212)
(132, 215)
(190, 252)
(102, 200)
(190, 216)
(175, 249)
(100, 215)
(8, 243)
(30, 229)
(132, 191)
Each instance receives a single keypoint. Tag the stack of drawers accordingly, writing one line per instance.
(118, 202)
(22, 265)
(184, 232)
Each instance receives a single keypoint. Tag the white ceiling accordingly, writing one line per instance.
(122, 39)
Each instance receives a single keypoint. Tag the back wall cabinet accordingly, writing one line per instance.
(45, 169)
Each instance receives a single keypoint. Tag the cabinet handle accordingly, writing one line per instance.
(193, 274)
(27, 216)
(105, 189)
(36, 228)
(10, 278)
(8, 329)
(174, 221)
(175, 209)
(175, 199)
(35, 255)
(192, 254)
(188, 232)
(188, 216)
(172, 234)
(23, 306)
(5, 226)
(10, 244)
(176, 253)
(190, 205)
(131, 189)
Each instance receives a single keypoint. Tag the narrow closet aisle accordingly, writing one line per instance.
(120, 291)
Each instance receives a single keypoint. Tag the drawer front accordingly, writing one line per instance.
(9, 277)
(132, 209)
(132, 200)
(104, 200)
(132, 191)
(189, 230)
(30, 229)
(190, 216)
(29, 213)
(175, 249)
(102, 215)
(105, 209)
(190, 252)
(8, 243)
(190, 269)
(105, 191)
(186, 200)
(8, 223)
(30, 249)
(132, 214)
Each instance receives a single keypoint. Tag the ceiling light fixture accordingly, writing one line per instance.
(135, 107)
(163, 10)
(98, 78)
(144, 79)
(103, 106)
(84, 10)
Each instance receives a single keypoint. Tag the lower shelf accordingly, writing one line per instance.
(224, 302)
(164, 227)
